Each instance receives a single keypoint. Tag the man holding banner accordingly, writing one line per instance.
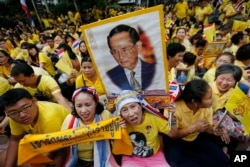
(29, 116)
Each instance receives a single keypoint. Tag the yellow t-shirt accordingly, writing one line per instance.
(185, 117)
(97, 85)
(219, 99)
(40, 71)
(181, 9)
(47, 86)
(29, 41)
(145, 137)
(209, 76)
(201, 12)
(46, 23)
(85, 150)
(242, 66)
(35, 38)
(5, 86)
(48, 65)
(190, 12)
(4, 72)
(50, 119)
(230, 10)
(233, 49)
(48, 49)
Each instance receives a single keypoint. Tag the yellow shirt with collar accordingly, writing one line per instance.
(209, 76)
(233, 49)
(219, 99)
(242, 66)
(185, 117)
(50, 118)
(97, 85)
(85, 150)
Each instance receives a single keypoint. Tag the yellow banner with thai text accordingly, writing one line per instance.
(31, 146)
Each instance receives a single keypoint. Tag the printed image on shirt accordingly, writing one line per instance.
(140, 147)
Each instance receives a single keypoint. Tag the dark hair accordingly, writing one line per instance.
(89, 90)
(18, 61)
(235, 39)
(229, 69)
(67, 48)
(247, 30)
(83, 54)
(189, 58)
(243, 53)
(86, 59)
(200, 43)
(25, 45)
(22, 68)
(229, 54)
(174, 48)
(67, 35)
(124, 28)
(12, 96)
(49, 38)
(196, 36)
(7, 55)
(194, 90)
(34, 58)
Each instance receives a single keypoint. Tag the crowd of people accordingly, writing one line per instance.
(37, 97)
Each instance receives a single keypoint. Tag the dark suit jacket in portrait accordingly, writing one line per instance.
(118, 76)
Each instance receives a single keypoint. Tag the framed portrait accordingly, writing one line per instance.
(182, 75)
(211, 51)
(129, 52)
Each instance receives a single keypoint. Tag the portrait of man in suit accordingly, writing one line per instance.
(131, 73)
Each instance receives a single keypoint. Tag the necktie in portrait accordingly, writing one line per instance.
(134, 83)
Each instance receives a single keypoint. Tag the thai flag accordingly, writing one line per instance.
(150, 108)
(76, 44)
(26, 10)
(238, 6)
(59, 52)
(174, 90)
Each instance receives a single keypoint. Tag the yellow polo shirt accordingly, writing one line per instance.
(242, 66)
(219, 99)
(209, 76)
(97, 85)
(185, 118)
